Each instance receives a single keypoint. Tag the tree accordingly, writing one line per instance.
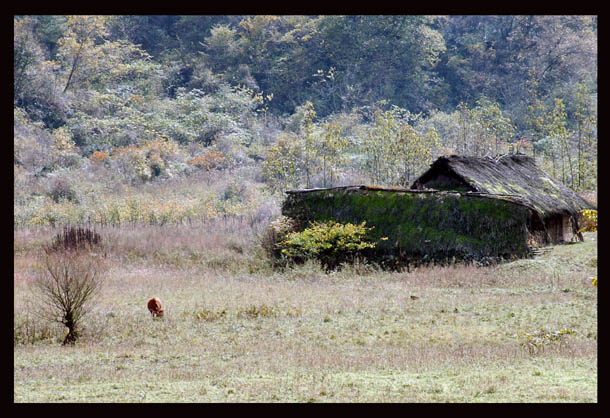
(67, 288)
(27, 56)
(49, 29)
(35, 87)
(484, 130)
(586, 140)
(154, 33)
(89, 59)
(77, 46)
(494, 130)
(494, 56)
(388, 57)
(222, 49)
(281, 166)
(413, 152)
(309, 142)
(550, 127)
(446, 126)
(394, 150)
(465, 120)
(316, 150)
(328, 89)
(377, 147)
(330, 150)
(558, 131)
(276, 54)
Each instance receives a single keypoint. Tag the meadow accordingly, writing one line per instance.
(235, 330)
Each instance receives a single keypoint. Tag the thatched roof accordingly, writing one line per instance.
(509, 175)
(358, 187)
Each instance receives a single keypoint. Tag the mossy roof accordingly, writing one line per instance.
(510, 175)
(394, 189)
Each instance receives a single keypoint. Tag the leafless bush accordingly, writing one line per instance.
(61, 189)
(75, 239)
(271, 237)
(66, 287)
(27, 330)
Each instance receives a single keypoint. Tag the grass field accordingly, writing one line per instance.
(236, 331)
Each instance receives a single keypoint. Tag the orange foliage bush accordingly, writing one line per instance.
(210, 161)
(99, 157)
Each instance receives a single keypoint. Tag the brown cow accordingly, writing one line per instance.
(154, 306)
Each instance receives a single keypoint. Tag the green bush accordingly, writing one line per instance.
(330, 242)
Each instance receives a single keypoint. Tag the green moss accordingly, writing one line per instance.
(495, 188)
(421, 225)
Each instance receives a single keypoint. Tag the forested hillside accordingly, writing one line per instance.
(174, 119)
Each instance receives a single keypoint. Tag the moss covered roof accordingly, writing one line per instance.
(510, 175)
(415, 224)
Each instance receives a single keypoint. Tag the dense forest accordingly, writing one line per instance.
(123, 118)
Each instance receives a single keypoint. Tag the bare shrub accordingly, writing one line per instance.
(62, 189)
(75, 239)
(273, 236)
(66, 287)
(27, 330)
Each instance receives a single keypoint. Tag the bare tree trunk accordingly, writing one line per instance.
(72, 335)
(74, 64)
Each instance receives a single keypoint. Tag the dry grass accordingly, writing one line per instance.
(236, 331)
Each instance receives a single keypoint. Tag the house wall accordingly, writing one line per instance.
(434, 225)
(567, 230)
(560, 229)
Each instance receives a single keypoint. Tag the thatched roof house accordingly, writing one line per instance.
(461, 208)
(515, 176)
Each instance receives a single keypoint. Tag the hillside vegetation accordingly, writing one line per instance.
(181, 119)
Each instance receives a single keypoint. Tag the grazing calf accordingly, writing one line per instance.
(154, 306)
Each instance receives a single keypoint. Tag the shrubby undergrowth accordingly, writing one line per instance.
(331, 243)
